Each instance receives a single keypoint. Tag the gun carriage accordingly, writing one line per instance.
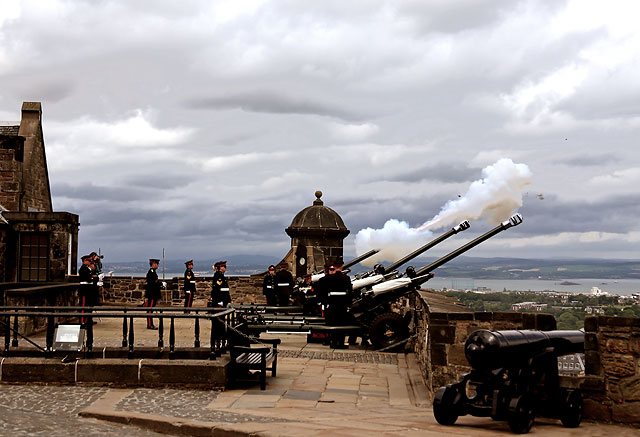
(513, 377)
(376, 291)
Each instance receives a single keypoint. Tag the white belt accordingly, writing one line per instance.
(338, 293)
(269, 286)
(224, 289)
(193, 282)
(283, 284)
(220, 303)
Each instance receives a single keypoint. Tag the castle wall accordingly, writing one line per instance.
(130, 290)
(612, 367)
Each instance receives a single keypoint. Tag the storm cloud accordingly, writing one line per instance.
(204, 127)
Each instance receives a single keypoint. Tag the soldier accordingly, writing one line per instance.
(85, 290)
(152, 290)
(97, 260)
(220, 296)
(189, 285)
(269, 287)
(284, 285)
(336, 290)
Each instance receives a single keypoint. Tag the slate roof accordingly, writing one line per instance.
(9, 129)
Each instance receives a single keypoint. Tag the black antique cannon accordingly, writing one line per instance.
(514, 377)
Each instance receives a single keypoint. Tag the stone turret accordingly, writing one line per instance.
(317, 233)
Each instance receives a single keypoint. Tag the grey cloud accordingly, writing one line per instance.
(98, 192)
(269, 102)
(445, 173)
(592, 160)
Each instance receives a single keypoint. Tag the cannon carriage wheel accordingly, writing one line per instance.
(572, 409)
(388, 329)
(521, 414)
(444, 409)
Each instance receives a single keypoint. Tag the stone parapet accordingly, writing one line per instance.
(612, 355)
(130, 290)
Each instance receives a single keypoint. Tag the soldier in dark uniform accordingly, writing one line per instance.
(220, 296)
(152, 290)
(336, 294)
(189, 285)
(284, 285)
(269, 287)
(86, 284)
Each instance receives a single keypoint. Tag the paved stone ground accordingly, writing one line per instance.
(53, 412)
(318, 391)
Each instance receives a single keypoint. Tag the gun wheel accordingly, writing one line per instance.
(521, 414)
(573, 410)
(443, 406)
(388, 329)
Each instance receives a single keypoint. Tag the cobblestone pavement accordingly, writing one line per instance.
(186, 404)
(52, 411)
(364, 357)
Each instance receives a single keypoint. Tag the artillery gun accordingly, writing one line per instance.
(514, 376)
(380, 273)
(372, 310)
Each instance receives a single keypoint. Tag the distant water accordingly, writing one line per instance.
(617, 286)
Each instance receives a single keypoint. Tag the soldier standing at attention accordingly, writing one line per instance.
(338, 290)
(86, 284)
(189, 285)
(284, 285)
(269, 287)
(220, 296)
(152, 289)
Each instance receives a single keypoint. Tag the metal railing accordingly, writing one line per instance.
(221, 320)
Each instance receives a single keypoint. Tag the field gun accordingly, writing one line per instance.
(380, 273)
(373, 308)
(372, 311)
(513, 377)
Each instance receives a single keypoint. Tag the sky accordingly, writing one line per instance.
(203, 127)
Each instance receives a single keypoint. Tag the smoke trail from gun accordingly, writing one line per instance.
(494, 198)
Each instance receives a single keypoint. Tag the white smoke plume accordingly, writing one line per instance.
(493, 198)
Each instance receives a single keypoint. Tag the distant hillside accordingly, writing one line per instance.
(464, 267)
(236, 265)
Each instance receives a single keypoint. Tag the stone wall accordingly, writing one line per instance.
(440, 337)
(24, 294)
(612, 382)
(130, 290)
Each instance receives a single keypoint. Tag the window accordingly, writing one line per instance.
(34, 256)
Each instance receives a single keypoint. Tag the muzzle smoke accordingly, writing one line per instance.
(493, 198)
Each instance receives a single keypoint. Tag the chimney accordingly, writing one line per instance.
(31, 111)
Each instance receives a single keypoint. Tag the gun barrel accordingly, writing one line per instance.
(487, 350)
(514, 220)
(360, 258)
(459, 228)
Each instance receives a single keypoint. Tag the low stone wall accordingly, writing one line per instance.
(612, 382)
(25, 294)
(440, 337)
(130, 290)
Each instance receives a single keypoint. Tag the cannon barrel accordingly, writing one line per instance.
(514, 220)
(459, 228)
(315, 277)
(360, 258)
(488, 350)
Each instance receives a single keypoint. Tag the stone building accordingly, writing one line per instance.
(36, 244)
(317, 233)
